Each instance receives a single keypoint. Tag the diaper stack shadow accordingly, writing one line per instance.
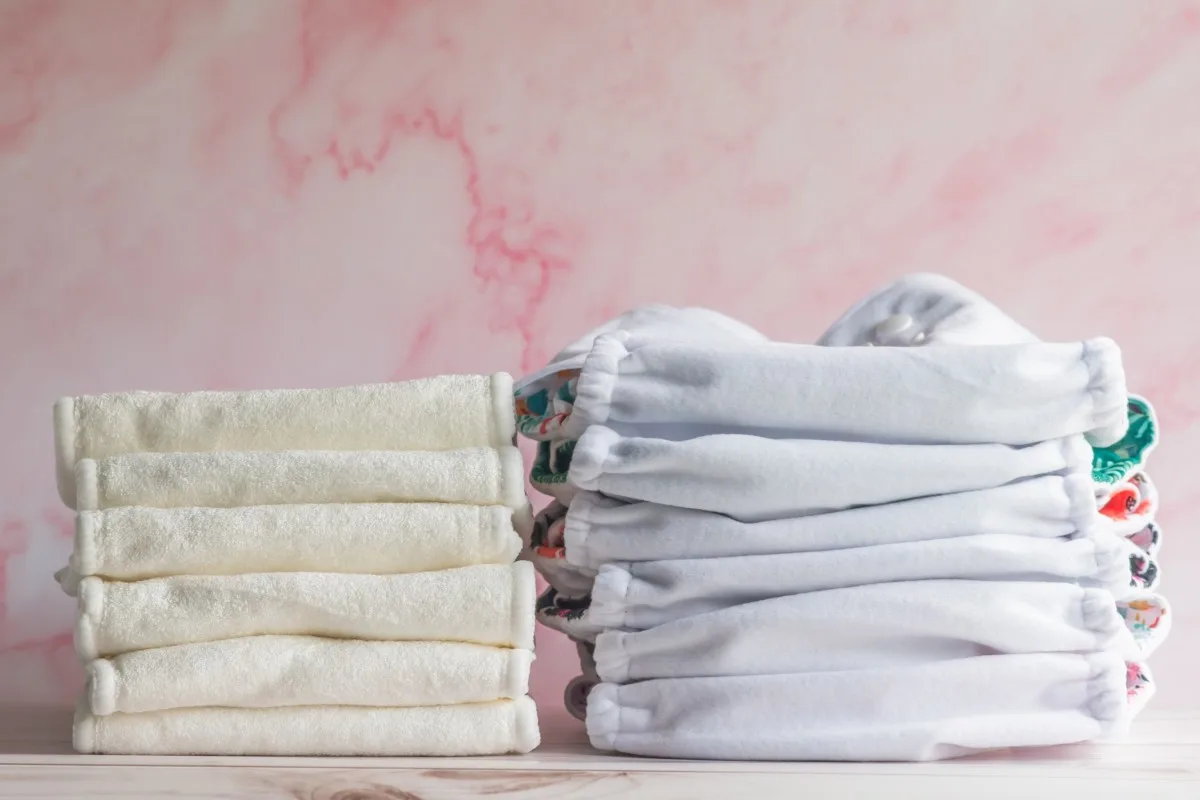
(300, 572)
(914, 550)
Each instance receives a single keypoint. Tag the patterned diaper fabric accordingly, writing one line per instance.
(1114, 464)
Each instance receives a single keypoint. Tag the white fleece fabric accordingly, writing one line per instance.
(1009, 394)
(446, 412)
(919, 712)
(640, 595)
(871, 626)
(487, 604)
(468, 729)
(599, 529)
(752, 478)
(273, 671)
(474, 476)
(136, 542)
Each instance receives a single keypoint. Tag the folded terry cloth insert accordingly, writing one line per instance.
(918, 712)
(1008, 394)
(487, 604)
(270, 671)
(600, 530)
(866, 627)
(477, 476)
(468, 729)
(640, 595)
(753, 478)
(446, 412)
(136, 542)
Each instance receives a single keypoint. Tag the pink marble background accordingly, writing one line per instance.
(270, 193)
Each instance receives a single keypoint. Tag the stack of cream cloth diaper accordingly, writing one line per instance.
(300, 572)
(777, 551)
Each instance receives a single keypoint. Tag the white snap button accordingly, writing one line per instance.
(892, 326)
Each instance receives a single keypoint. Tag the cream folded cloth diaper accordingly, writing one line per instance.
(885, 624)
(1014, 394)
(640, 595)
(501, 726)
(599, 530)
(446, 412)
(752, 478)
(917, 712)
(274, 671)
(477, 475)
(488, 604)
(136, 542)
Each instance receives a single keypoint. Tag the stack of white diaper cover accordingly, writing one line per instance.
(898, 544)
(301, 572)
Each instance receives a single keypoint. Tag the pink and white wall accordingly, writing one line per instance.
(265, 193)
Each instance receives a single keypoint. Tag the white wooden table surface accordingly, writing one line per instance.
(36, 761)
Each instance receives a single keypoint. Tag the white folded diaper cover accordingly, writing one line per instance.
(915, 712)
(445, 412)
(753, 478)
(885, 624)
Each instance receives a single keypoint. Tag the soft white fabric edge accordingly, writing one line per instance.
(65, 433)
(525, 721)
(577, 527)
(87, 487)
(516, 678)
(591, 454)
(1106, 386)
(524, 604)
(88, 524)
(612, 662)
(603, 717)
(83, 730)
(504, 416)
(91, 610)
(609, 596)
(101, 687)
(597, 380)
(512, 477)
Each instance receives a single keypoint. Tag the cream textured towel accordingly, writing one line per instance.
(440, 413)
(476, 476)
(471, 729)
(136, 542)
(487, 604)
(270, 671)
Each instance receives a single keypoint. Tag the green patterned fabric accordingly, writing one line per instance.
(1115, 463)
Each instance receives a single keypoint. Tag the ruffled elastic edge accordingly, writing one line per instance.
(596, 383)
(603, 717)
(1081, 505)
(1107, 702)
(1112, 565)
(577, 528)
(1107, 390)
(91, 615)
(101, 687)
(1098, 609)
(1076, 456)
(503, 427)
(66, 432)
(524, 604)
(612, 660)
(525, 725)
(591, 457)
(609, 596)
